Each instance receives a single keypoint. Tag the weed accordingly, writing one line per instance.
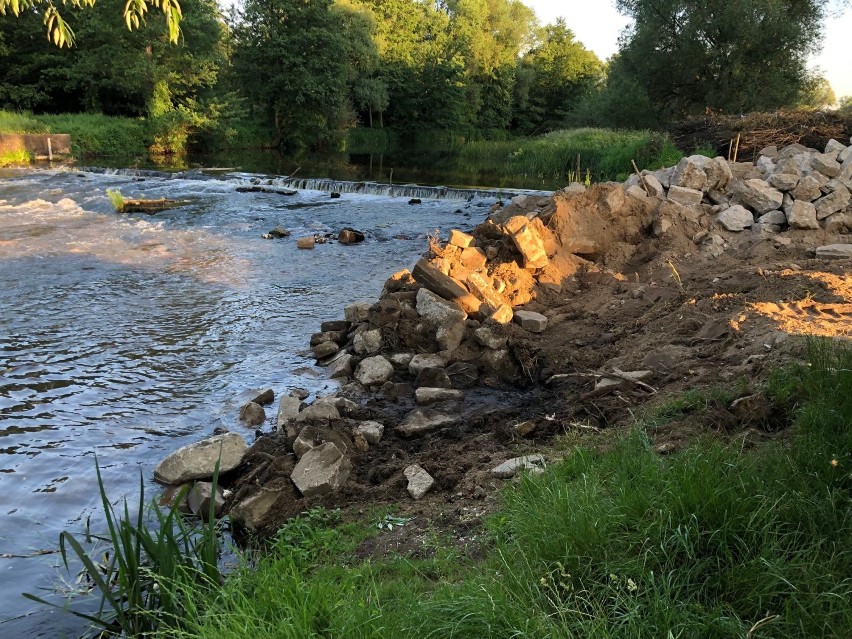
(15, 158)
(117, 199)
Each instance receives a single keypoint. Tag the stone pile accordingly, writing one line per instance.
(792, 188)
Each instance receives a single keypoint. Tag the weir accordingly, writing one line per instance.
(329, 185)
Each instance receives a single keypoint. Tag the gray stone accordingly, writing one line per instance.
(437, 310)
(832, 203)
(769, 151)
(530, 321)
(719, 174)
(433, 377)
(801, 215)
(838, 223)
(252, 414)
(325, 349)
(792, 150)
(758, 196)
(262, 396)
(689, 173)
(357, 313)
(784, 181)
(314, 435)
(637, 192)
(845, 156)
(428, 395)
(765, 165)
(661, 226)
(372, 431)
(198, 460)
(299, 393)
(341, 367)
(664, 176)
(835, 252)
(463, 374)
(789, 167)
(511, 467)
(198, 500)
(368, 342)
(321, 470)
(373, 371)
(288, 410)
(653, 185)
(419, 481)
(489, 337)
(423, 420)
(450, 335)
(736, 218)
(833, 148)
(338, 337)
(825, 164)
(334, 326)
(807, 190)
(319, 411)
(401, 360)
(253, 511)
(426, 360)
(773, 217)
(685, 196)
(445, 286)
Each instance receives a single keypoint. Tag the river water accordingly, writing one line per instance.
(126, 336)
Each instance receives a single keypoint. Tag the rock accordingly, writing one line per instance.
(765, 165)
(350, 236)
(482, 289)
(338, 337)
(277, 233)
(653, 186)
(262, 396)
(426, 360)
(372, 431)
(429, 395)
(401, 360)
(320, 411)
(758, 196)
(198, 500)
(832, 203)
(253, 511)
(685, 196)
(334, 195)
(833, 147)
(719, 174)
(422, 421)
(335, 326)
(610, 382)
(489, 337)
(305, 242)
(807, 190)
(736, 218)
(450, 336)
(511, 467)
(499, 362)
(689, 173)
(770, 151)
(838, 223)
(373, 371)
(324, 349)
(527, 241)
(530, 321)
(524, 429)
(341, 367)
(637, 192)
(288, 410)
(198, 460)
(784, 181)
(463, 374)
(462, 240)
(368, 342)
(661, 226)
(321, 470)
(419, 481)
(773, 217)
(314, 435)
(473, 258)
(438, 310)
(502, 315)
(252, 414)
(433, 377)
(801, 215)
(415, 200)
(825, 164)
(835, 252)
(357, 313)
(444, 286)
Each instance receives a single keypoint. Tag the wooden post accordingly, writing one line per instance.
(49, 151)
(641, 177)
(578, 167)
(730, 148)
(737, 147)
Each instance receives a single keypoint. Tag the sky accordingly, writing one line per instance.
(597, 25)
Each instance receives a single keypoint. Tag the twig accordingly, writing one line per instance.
(641, 177)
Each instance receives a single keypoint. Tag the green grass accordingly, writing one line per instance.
(101, 135)
(116, 199)
(23, 122)
(15, 158)
(710, 542)
(606, 153)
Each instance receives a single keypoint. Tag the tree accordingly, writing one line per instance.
(727, 55)
(59, 31)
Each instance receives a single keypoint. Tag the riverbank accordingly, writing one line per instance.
(647, 320)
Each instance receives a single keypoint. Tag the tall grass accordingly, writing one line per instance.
(605, 153)
(20, 122)
(95, 134)
(712, 542)
(15, 158)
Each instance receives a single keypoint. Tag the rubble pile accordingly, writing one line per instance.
(413, 364)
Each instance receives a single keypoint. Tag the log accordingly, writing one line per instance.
(265, 189)
(151, 206)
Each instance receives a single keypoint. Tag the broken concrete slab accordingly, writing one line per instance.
(511, 467)
(835, 252)
(372, 431)
(419, 481)
(373, 371)
(321, 470)
(527, 241)
(426, 395)
(423, 420)
(531, 321)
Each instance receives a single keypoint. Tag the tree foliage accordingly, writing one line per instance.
(60, 33)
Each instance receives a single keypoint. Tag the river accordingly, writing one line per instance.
(126, 336)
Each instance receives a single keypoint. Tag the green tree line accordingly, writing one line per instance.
(308, 70)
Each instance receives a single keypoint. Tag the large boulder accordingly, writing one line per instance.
(288, 410)
(198, 460)
(321, 470)
(835, 252)
(833, 202)
(685, 196)
(736, 218)
(373, 371)
(807, 190)
(759, 196)
(690, 174)
(801, 215)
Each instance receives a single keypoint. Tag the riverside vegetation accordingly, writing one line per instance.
(614, 541)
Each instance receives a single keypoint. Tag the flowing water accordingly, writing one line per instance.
(126, 336)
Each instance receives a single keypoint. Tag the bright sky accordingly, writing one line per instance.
(597, 25)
